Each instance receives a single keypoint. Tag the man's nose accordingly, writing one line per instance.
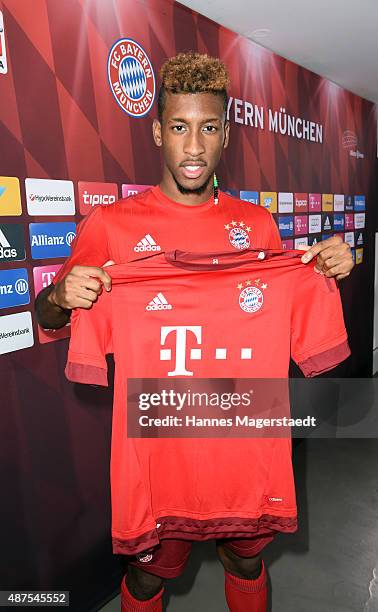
(194, 144)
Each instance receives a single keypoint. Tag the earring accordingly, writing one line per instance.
(216, 190)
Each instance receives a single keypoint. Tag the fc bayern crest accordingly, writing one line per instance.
(238, 234)
(131, 77)
(143, 558)
(251, 297)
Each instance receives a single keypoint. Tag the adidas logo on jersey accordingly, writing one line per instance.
(159, 303)
(147, 244)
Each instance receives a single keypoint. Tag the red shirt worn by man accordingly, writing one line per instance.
(232, 315)
(151, 222)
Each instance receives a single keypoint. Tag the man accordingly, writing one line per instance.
(184, 212)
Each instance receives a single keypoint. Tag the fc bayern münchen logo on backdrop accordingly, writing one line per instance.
(131, 77)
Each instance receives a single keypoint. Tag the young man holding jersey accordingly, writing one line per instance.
(182, 212)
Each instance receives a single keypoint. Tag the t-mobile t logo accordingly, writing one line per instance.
(181, 353)
(181, 334)
(47, 278)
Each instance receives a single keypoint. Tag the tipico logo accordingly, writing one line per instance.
(131, 77)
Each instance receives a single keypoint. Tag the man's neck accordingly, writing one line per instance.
(189, 199)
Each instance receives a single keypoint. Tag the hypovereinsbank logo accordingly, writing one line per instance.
(49, 197)
(16, 332)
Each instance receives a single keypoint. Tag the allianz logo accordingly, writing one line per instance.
(20, 287)
(46, 240)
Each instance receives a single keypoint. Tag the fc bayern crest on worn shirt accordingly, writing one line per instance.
(238, 234)
(131, 77)
(251, 297)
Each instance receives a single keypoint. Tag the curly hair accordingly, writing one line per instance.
(192, 72)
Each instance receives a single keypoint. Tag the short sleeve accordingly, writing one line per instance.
(90, 342)
(319, 340)
(90, 247)
(274, 238)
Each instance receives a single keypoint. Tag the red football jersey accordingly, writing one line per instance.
(231, 315)
(150, 222)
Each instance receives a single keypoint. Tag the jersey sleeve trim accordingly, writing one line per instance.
(325, 361)
(87, 370)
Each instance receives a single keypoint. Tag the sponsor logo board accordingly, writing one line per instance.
(43, 277)
(14, 288)
(338, 202)
(250, 196)
(49, 197)
(12, 242)
(130, 190)
(314, 224)
(314, 202)
(300, 202)
(93, 194)
(285, 202)
(286, 226)
(10, 198)
(49, 240)
(16, 332)
(268, 199)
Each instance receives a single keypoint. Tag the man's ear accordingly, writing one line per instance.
(156, 132)
(226, 134)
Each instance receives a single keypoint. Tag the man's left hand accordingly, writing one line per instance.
(333, 257)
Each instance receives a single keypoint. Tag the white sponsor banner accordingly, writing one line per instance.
(359, 220)
(49, 197)
(301, 242)
(3, 51)
(285, 202)
(314, 224)
(16, 332)
(338, 202)
(349, 238)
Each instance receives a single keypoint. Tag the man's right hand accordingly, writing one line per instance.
(80, 287)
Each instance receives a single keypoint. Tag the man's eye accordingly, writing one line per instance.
(210, 128)
(178, 128)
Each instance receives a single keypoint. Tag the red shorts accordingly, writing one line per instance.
(168, 559)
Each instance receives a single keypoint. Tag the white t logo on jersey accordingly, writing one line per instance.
(181, 335)
(222, 353)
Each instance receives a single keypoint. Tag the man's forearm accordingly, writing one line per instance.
(50, 316)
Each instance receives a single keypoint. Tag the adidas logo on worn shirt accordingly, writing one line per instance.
(147, 244)
(159, 303)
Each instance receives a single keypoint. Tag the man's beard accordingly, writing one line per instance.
(198, 190)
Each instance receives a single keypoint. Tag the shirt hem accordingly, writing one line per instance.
(197, 530)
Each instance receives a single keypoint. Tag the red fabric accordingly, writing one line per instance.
(248, 547)
(173, 527)
(325, 361)
(188, 487)
(112, 232)
(246, 595)
(93, 375)
(130, 604)
(169, 558)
